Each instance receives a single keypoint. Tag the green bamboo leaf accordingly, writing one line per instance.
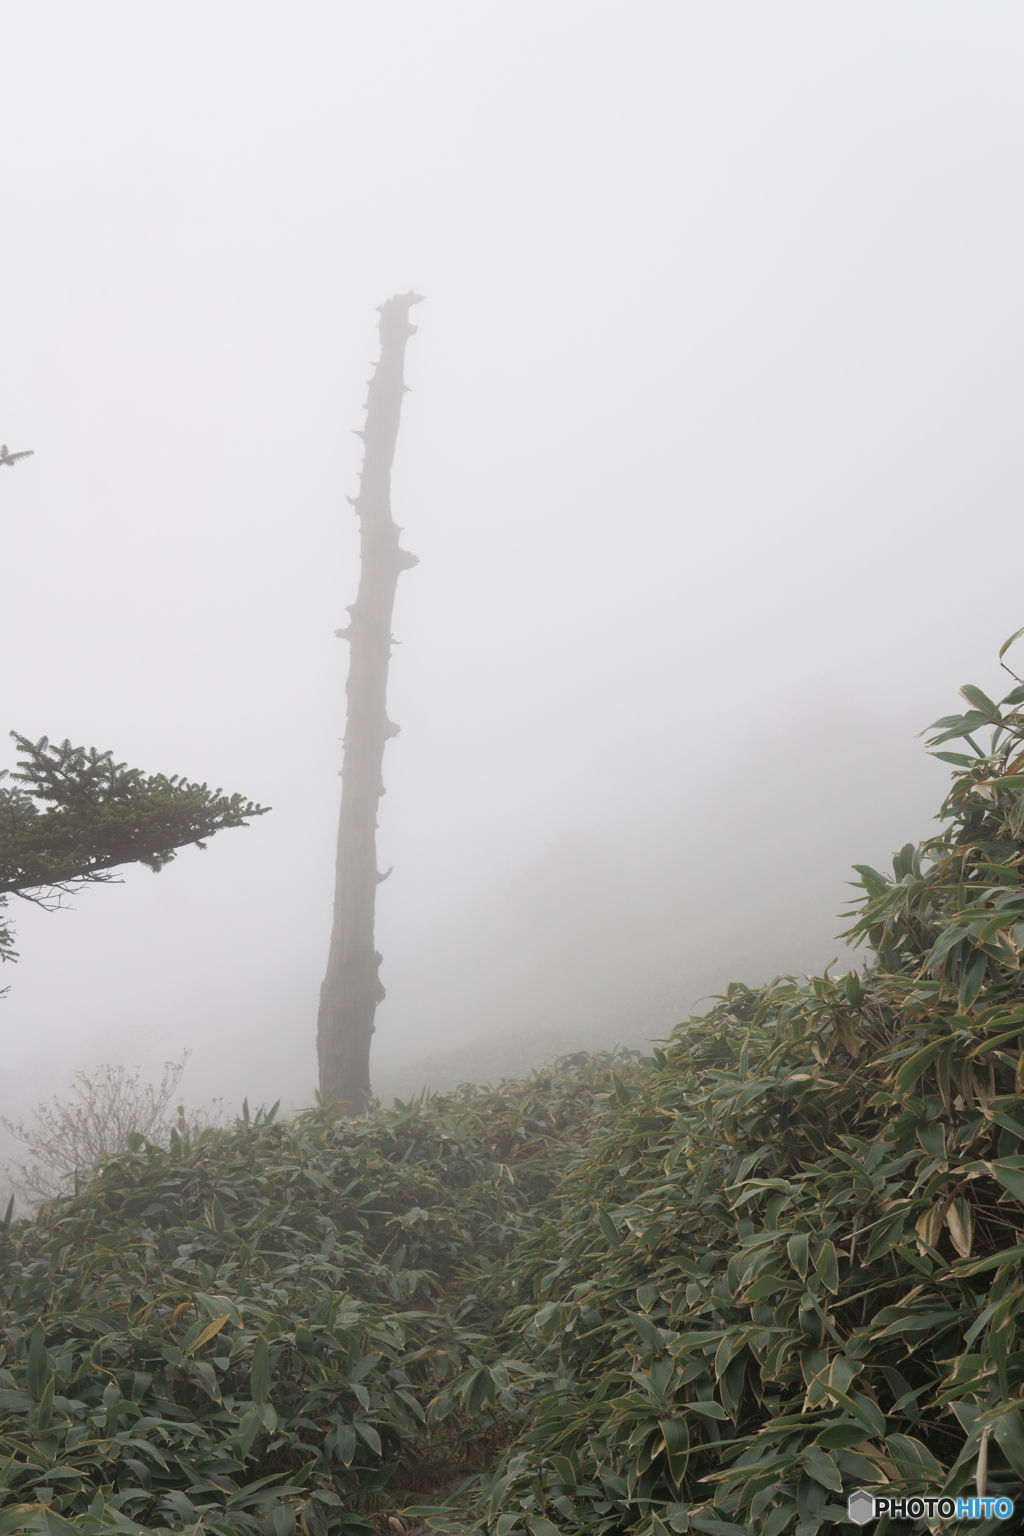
(609, 1228)
(538, 1526)
(874, 883)
(208, 1377)
(650, 1335)
(369, 1434)
(934, 1320)
(565, 1469)
(957, 758)
(778, 1519)
(1010, 1177)
(56, 1525)
(45, 1407)
(763, 1286)
(917, 1064)
(37, 1372)
(822, 1467)
(204, 1335)
(1007, 643)
(181, 1504)
(479, 1389)
(981, 702)
(18, 1519)
(974, 975)
(364, 1366)
(798, 1252)
(827, 1267)
(839, 1437)
(862, 1409)
(676, 1436)
(886, 1234)
(345, 1440)
(964, 726)
(259, 1372)
(913, 1458)
(1005, 1256)
(220, 1306)
(152, 1451)
(997, 1043)
(1009, 1433)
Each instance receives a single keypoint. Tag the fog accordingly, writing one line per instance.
(713, 463)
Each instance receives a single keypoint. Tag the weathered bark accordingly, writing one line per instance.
(351, 988)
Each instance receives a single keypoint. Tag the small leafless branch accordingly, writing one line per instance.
(104, 1107)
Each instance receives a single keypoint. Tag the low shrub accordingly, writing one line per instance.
(709, 1290)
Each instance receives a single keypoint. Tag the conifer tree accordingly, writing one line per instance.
(70, 816)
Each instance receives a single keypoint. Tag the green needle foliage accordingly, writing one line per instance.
(68, 816)
(711, 1290)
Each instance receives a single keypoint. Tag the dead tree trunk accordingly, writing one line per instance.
(351, 988)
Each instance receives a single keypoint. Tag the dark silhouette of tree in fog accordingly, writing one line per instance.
(351, 988)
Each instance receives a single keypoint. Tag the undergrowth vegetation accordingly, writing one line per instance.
(712, 1289)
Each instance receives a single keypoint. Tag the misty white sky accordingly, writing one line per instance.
(713, 463)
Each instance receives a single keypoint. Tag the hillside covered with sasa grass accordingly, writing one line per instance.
(708, 1290)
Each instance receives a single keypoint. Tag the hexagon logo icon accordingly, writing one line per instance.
(861, 1507)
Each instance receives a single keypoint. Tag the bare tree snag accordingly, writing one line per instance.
(351, 988)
